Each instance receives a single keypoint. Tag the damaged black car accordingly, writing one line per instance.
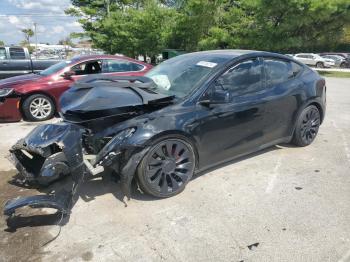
(186, 115)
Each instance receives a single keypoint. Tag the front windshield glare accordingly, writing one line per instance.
(180, 75)
(54, 68)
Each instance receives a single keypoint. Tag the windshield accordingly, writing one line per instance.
(54, 68)
(180, 75)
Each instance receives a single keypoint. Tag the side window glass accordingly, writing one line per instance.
(295, 68)
(277, 71)
(2, 53)
(17, 53)
(136, 67)
(118, 65)
(242, 78)
(87, 68)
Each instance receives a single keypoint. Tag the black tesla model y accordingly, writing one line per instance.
(187, 114)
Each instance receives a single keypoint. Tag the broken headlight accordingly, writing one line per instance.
(119, 137)
(112, 145)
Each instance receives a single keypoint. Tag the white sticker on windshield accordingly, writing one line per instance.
(162, 81)
(207, 64)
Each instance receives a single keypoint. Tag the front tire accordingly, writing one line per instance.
(307, 126)
(319, 65)
(167, 167)
(38, 107)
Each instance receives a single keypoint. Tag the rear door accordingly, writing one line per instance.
(283, 91)
(122, 67)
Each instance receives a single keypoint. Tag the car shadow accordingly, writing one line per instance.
(95, 186)
(139, 195)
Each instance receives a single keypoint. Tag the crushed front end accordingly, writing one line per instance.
(93, 138)
(45, 155)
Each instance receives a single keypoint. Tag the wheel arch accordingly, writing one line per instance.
(180, 134)
(319, 107)
(313, 102)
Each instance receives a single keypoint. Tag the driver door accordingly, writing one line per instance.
(62, 83)
(235, 127)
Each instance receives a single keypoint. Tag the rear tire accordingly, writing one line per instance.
(307, 126)
(167, 167)
(319, 65)
(343, 65)
(38, 107)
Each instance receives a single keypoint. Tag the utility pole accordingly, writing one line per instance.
(36, 41)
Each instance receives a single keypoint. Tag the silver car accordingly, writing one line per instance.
(338, 60)
(314, 60)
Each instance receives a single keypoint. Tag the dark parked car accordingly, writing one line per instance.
(16, 61)
(35, 96)
(188, 114)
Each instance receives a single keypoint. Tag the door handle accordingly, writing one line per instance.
(4, 63)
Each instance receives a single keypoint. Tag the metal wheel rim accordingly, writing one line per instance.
(310, 124)
(170, 164)
(40, 108)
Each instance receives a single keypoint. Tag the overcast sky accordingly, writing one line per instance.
(52, 25)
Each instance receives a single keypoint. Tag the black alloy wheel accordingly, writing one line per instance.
(167, 167)
(307, 126)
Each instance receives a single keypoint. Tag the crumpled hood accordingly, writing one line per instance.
(15, 81)
(88, 101)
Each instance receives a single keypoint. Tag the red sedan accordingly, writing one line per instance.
(35, 96)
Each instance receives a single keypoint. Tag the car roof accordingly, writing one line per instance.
(233, 53)
(88, 57)
(306, 54)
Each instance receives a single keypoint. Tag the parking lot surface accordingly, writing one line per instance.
(281, 204)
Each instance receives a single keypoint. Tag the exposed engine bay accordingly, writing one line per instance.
(90, 140)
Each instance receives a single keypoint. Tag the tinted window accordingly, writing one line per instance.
(54, 68)
(17, 53)
(295, 68)
(180, 75)
(243, 78)
(279, 71)
(110, 66)
(87, 68)
(2, 53)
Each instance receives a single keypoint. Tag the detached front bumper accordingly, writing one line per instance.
(53, 151)
(45, 155)
(9, 109)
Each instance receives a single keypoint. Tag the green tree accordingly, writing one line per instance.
(127, 27)
(280, 25)
(2, 43)
(28, 33)
(194, 20)
(146, 26)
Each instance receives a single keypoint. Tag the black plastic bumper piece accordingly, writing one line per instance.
(61, 202)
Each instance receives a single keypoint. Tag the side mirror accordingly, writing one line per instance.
(217, 97)
(68, 75)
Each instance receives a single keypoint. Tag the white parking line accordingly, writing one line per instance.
(272, 179)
